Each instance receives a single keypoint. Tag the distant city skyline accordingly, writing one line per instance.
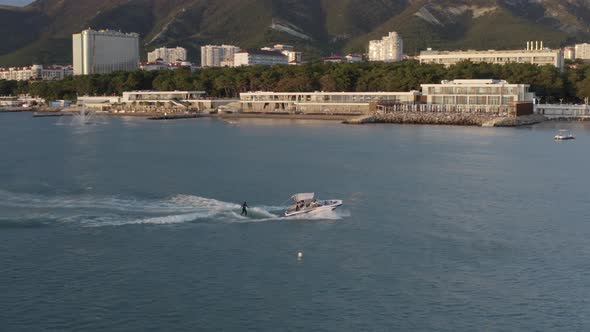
(15, 2)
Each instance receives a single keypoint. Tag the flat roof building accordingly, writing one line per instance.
(582, 51)
(534, 56)
(254, 57)
(217, 55)
(160, 96)
(36, 73)
(487, 95)
(168, 55)
(104, 51)
(321, 102)
(389, 48)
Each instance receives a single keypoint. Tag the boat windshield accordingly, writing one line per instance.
(303, 197)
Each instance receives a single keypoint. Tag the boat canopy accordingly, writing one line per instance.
(303, 197)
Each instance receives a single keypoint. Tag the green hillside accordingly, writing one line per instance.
(41, 32)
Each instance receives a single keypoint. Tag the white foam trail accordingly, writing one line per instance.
(96, 211)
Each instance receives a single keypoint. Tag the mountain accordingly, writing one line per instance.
(41, 32)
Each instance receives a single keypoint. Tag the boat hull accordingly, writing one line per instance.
(328, 207)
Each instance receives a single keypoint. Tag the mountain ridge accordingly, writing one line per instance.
(41, 32)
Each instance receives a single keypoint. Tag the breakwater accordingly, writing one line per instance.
(455, 119)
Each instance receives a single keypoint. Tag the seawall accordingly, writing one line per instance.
(455, 119)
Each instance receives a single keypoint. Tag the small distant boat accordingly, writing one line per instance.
(306, 203)
(564, 135)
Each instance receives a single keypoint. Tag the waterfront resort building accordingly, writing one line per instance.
(390, 48)
(36, 73)
(534, 55)
(582, 51)
(104, 51)
(327, 103)
(168, 55)
(480, 96)
(154, 102)
(259, 57)
(161, 96)
(217, 55)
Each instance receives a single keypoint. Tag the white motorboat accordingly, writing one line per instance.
(564, 135)
(306, 203)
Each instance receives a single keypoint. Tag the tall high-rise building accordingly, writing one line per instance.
(104, 51)
(214, 55)
(583, 51)
(168, 55)
(389, 48)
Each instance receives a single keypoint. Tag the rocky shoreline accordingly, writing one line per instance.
(454, 119)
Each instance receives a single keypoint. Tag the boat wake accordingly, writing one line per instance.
(95, 211)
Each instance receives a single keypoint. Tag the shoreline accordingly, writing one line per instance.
(355, 119)
(320, 117)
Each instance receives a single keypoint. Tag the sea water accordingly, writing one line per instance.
(134, 225)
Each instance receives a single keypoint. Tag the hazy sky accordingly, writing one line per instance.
(15, 2)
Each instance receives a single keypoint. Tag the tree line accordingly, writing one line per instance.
(548, 82)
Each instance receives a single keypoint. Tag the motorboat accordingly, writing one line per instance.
(304, 203)
(564, 135)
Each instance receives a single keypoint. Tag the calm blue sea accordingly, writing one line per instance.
(134, 225)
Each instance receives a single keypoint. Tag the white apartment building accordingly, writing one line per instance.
(36, 73)
(294, 58)
(390, 48)
(321, 102)
(582, 51)
(487, 95)
(259, 57)
(534, 56)
(168, 55)
(214, 55)
(569, 53)
(104, 51)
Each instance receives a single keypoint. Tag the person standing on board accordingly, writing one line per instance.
(244, 209)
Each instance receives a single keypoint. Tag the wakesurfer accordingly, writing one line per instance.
(244, 209)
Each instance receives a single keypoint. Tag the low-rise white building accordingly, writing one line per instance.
(168, 55)
(558, 111)
(155, 101)
(535, 56)
(486, 95)
(321, 102)
(161, 65)
(349, 58)
(36, 73)
(293, 57)
(259, 57)
(161, 96)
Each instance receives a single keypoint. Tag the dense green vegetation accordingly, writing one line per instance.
(573, 84)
